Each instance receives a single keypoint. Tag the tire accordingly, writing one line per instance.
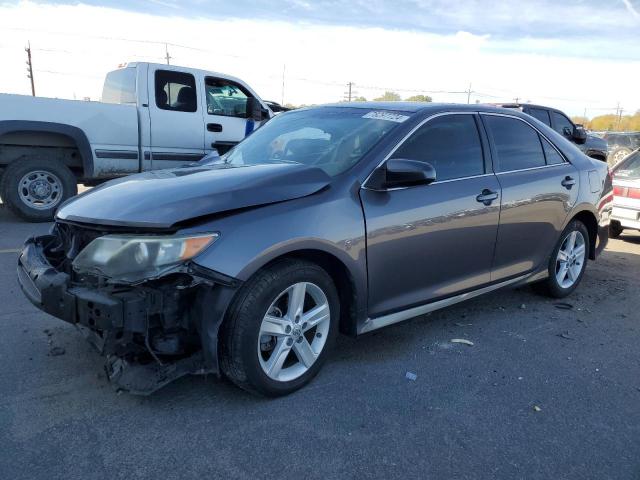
(552, 286)
(615, 229)
(246, 353)
(618, 155)
(36, 197)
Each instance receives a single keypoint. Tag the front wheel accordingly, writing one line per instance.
(280, 328)
(34, 188)
(568, 261)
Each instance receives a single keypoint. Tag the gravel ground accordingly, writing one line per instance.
(544, 393)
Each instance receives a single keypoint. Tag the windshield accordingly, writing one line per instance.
(629, 167)
(333, 139)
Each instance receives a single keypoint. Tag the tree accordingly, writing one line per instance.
(419, 98)
(359, 99)
(388, 97)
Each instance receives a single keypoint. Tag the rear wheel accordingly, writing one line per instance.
(568, 261)
(615, 229)
(33, 188)
(280, 328)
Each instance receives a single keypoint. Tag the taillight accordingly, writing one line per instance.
(627, 192)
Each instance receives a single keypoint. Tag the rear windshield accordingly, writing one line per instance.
(333, 139)
(629, 167)
(120, 86)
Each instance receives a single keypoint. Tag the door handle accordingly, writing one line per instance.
(568, 182)
(487, 197)
(214, 127)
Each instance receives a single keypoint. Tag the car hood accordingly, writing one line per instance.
(596, 143)
(163, 198)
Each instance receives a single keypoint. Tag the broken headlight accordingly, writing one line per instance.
(131, 258)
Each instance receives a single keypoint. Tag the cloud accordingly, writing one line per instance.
(572, 74)
(631, 8)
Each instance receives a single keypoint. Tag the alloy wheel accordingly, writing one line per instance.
(293, 331)
(570, 259)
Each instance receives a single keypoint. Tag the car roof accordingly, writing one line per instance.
(415, 107)
(522, 105)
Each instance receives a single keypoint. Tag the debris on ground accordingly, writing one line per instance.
(411, 376)
(523, 307)
(56, 351)
(536, 408)
(462, 340)
(563, 306)
(565, 335)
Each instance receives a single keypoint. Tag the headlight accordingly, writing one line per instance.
(131, 258)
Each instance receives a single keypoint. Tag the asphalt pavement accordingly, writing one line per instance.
(546, 391)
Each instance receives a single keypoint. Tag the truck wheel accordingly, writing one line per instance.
(34, 187)
(618, 155)
(280, 328)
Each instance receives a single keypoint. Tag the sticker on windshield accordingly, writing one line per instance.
(388, 116)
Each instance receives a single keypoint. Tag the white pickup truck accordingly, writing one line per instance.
(151, 116)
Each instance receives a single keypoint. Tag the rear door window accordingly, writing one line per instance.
(550, 153)
(540, 114)
(517, 145)
(175, 91)
(450, 143)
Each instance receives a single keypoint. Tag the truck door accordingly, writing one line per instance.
(176, 118)
(226, 119)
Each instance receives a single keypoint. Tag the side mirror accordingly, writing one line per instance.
(579, 134)
(401, 172)
(254, 109)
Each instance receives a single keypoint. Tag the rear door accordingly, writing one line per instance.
(176, 117)
(432, 241)
(539, 188)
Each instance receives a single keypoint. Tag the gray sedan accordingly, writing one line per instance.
(342, 218)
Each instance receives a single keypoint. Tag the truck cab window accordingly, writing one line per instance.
(226, 98)
(562, 124)
(120, 86)
(175, 91)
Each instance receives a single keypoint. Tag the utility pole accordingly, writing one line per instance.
(619, 111)
(284, 68)
(30, 68)
(469, 94)
(349, 94)
(166, 54)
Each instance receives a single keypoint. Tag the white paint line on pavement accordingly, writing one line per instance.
(10, 250)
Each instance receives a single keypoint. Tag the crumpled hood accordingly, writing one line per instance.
(162, 198)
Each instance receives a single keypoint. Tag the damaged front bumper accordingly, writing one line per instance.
(151, 333)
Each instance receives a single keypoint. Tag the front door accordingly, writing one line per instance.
(539, 188)
(176, 118)
(226, 118)
(433, 241)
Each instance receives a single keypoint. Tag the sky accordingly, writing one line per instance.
(582, 56)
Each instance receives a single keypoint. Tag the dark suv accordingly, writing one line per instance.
(591, 145)
(621, 145)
